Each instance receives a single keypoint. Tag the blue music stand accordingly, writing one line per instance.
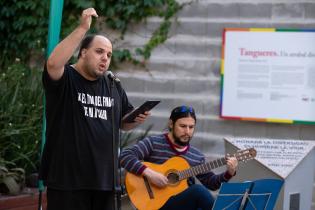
(252, 195)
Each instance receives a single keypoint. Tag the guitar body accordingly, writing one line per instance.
(139, 193)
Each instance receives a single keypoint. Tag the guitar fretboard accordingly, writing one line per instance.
(201, 169)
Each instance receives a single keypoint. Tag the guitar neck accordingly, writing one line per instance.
(201, 169)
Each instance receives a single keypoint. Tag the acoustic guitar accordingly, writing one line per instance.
(145, 196)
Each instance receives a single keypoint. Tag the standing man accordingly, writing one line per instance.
(84, 111)
(160, 148)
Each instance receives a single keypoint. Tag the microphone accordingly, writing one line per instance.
(112, 76)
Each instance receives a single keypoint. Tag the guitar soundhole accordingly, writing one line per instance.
(173, 178)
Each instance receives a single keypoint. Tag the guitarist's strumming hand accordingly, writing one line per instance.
(231, 163)
(155, 178)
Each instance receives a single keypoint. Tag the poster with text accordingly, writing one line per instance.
(268, 75)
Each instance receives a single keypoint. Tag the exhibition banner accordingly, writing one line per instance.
(268, 75)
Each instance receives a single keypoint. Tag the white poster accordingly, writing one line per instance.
(268, 75)
(280, 156)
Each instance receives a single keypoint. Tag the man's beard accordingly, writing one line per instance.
(93, 72)
(178, 141)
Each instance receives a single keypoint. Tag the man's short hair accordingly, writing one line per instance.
(86, 43)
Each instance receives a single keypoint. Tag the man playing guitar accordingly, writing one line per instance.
(175, 143)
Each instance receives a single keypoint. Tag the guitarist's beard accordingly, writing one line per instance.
(178, 140)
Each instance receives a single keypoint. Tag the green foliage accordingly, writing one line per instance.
(122, 55)
(130, 137)
(24, 24)
(20, 115)
(119, 13)
(140, 10)
(159, 36)
(23, 28)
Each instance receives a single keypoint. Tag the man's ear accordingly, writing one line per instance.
(170, 124)
(83, 53)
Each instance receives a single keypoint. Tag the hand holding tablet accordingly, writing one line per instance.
(146, 106)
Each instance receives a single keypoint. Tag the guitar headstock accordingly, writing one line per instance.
(245, 154)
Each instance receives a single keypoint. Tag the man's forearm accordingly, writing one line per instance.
(66, 48)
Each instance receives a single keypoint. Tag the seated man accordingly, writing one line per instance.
(160, 148)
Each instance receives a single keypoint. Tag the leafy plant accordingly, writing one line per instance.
(21, 33)
(20, 115)
(165, 9)
(129, 138)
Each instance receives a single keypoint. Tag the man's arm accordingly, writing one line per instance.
(65, 49)
(130, 159)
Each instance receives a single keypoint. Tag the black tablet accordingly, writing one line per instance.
(146, 106)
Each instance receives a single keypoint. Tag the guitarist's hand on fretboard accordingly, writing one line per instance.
(155, 178)
(231, 163)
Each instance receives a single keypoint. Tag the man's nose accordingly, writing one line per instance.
(104, 57)
(187, 130)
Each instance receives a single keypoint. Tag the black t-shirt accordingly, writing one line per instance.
(78, 150)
